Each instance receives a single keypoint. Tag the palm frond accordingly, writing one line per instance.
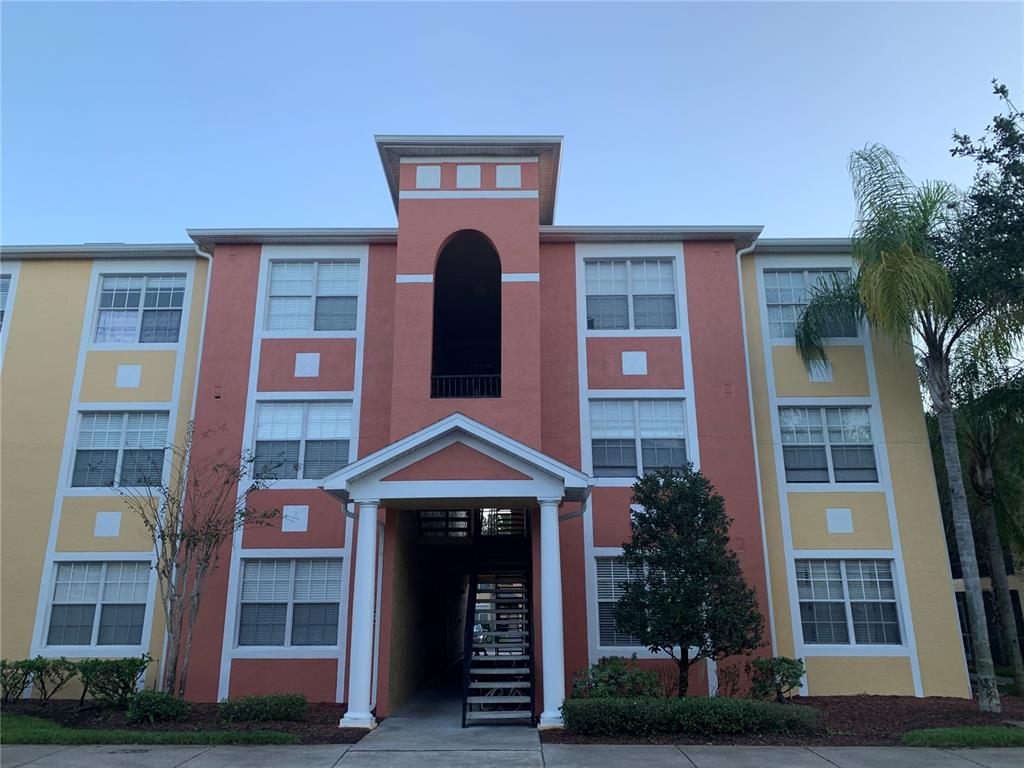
(834, 303)
(898, 284)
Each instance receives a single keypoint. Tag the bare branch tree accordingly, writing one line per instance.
(189, 519)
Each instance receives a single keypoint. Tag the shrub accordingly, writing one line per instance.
(14, 677)
(615, 676)
(112, 681)
(50, 675)
(685, 717)
(275, 706)
(774, 677)
(156, 707)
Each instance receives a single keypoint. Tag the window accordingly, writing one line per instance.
(140, 308)
(612, 576)
(840, 599)
(119, 589)
(313, 437)
(634, 293)
(120, 448)
(615, 425)
(313, 296)
(823, 445)
(5, 289)
(788, 291)
(290, 602)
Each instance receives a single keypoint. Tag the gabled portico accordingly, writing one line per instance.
(455, 463)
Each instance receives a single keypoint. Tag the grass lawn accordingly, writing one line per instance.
(21, 729)
(966, 736)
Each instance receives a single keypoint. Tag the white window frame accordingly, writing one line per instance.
(630, 328)
(146, 276)
(104, 651)
(242, 651)
(11, 269)
(598, 603)
(86, 489)
(827, 445)
(805, 269)
(310, 331)
(847, 605)
(637, 436)
(299, 481)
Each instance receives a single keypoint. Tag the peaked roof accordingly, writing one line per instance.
(548, 150)
(395, 456)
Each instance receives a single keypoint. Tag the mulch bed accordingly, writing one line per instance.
(319, 727)
(848, 721)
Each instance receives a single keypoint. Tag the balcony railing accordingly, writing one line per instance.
(469, 385)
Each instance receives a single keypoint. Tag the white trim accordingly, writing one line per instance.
(884, 483)
(520, 277)
(440, 160)
(100, 268)
(414, 278)
(12, 268)
(468, 194)
(638, 394)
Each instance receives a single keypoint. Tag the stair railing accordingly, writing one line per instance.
(467, 645)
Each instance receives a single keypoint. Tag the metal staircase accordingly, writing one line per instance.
(498, 677)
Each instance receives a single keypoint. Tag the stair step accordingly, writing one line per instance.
(503, 611)
(521, 715)
(503, 633)
(498, 685)
(500, 646)
(497, 699)
(502, 657)
(499, 671)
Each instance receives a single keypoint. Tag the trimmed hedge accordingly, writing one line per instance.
(156, 707)
(274, 706)
(690, 716)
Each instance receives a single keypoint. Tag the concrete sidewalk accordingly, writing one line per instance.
(538, 756)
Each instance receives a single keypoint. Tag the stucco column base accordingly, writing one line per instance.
(550, 721)
(358, 720)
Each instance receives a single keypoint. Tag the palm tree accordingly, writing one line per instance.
(912, 283)
(991, 430)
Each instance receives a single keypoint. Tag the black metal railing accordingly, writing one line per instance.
(468, 385)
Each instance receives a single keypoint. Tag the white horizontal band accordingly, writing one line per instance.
(439, 160)
(414, 278)
(466, 194)
(521, 277)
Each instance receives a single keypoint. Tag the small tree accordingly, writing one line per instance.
(189, 519)
(686, 589)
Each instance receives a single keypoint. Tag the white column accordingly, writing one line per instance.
(360, 666)
(551, 615)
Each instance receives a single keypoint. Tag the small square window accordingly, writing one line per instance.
(467, 176)
(428, 177)
(508, 176)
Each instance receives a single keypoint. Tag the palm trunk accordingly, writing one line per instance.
(1001, 588)
(988, 693)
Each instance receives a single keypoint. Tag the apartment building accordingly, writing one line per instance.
(449, 415)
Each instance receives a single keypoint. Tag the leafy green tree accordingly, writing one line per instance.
(919, 278)
(686, 591)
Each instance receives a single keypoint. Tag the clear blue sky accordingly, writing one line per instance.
(132, 121)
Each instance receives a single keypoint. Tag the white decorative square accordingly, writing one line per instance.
(467, 176)
(108, 525)
(307, 364)
(508, 176)
(428, 177)
(819, 371)
(839, 520)
(128, 376)
(634, 363)
(294, 518)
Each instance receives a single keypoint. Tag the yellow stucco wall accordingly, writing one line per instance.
(849, 373)
(879, 675)
(39, 371)
(156, 381)
(810, 529)
(777, 565)
(78, 524)
(36, 390)
(917, 507)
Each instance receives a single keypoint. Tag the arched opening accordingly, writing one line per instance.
(467, 319)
